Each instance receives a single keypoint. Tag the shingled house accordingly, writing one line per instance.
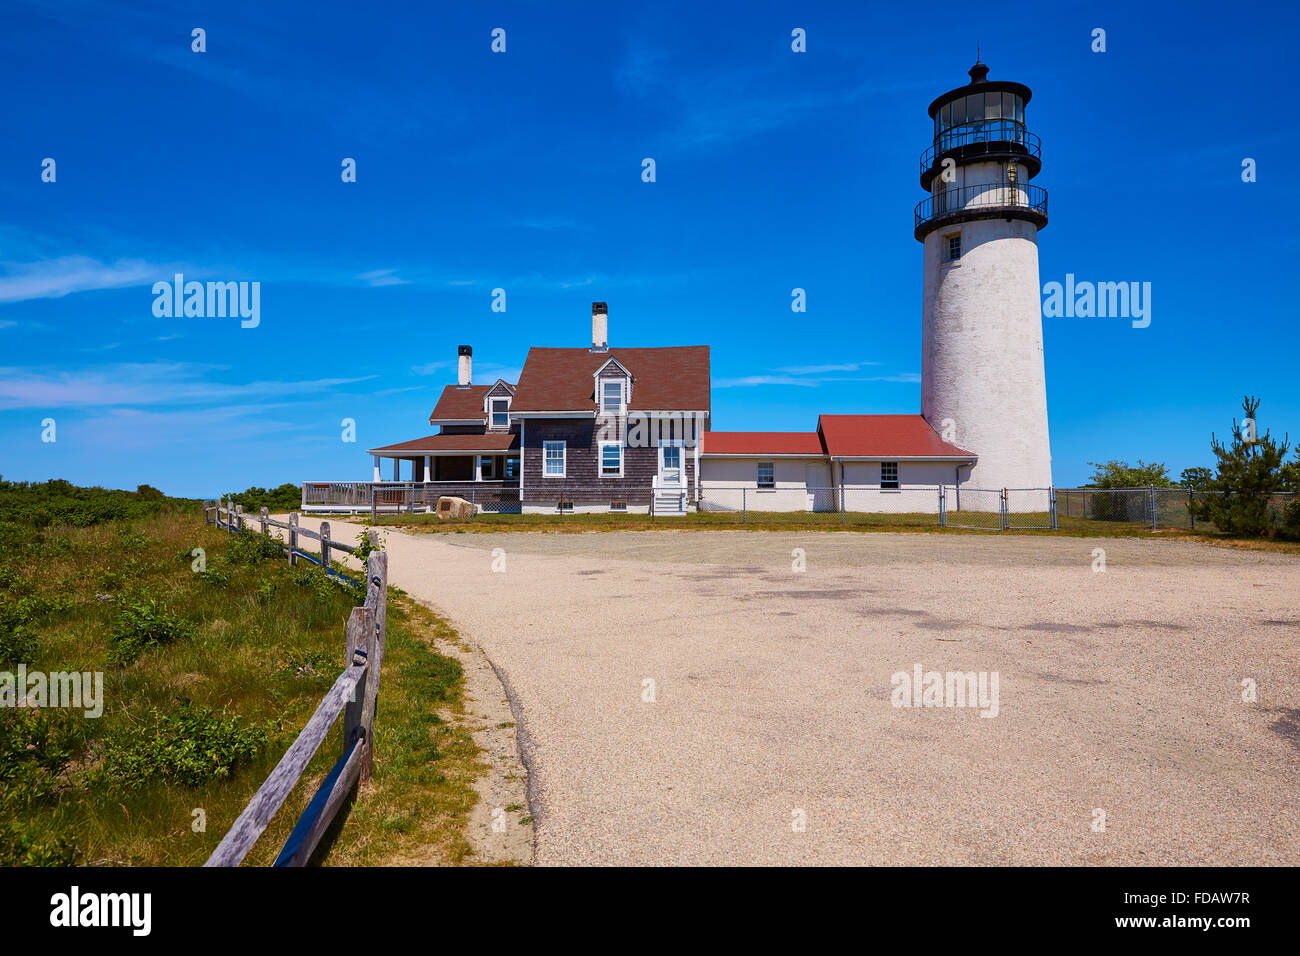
(584, 429)
(627, 429)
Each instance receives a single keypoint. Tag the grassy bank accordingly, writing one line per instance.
(207, 679)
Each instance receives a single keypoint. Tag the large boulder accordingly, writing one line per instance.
(449, 507)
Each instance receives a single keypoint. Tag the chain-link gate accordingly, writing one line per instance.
(980, 509)
(1029, 508)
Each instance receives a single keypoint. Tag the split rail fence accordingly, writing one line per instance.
(354, 696)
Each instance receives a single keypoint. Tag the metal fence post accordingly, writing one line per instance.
(1191, 507)
(1153, 508)
(744, 505)
(942, 516)
(1004, 509)
(1051, 501)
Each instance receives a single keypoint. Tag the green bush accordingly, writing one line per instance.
(1290, 526)
(278, 500)
(36, 747)
(253, 547)
(18, 645)
(144, 622)
(190, 747)
(25, 846)
(41, 504)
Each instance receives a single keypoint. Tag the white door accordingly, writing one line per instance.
(817, 482)
(670, 463)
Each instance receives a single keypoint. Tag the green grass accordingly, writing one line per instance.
(207, 679)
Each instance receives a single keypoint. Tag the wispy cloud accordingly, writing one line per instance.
(118, 428)
(55, 278)
(751, 380)
(810, 381)
(430, 368)
(382, 277)
(145, 384)
(822, 369)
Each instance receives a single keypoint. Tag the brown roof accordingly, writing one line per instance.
(561, 380)
(761, 443)
(885, 436)
(490, 442)
(461, 404)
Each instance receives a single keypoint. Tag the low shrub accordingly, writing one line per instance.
(191, 747)
(144, 622)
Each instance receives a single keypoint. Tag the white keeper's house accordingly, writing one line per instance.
(604, 428)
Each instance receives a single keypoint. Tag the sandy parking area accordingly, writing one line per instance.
(1119, 692)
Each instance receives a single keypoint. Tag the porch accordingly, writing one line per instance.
(393, 497)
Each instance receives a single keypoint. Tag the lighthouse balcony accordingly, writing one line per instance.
(987, 140)
(1005, 200)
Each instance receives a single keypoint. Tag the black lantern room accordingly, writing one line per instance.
(981, 121)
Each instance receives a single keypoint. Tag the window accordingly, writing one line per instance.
(500, 412)
(954, 247)
(618, 506)
(564, 507)
(487, 466)
(512, 468)
(889, 474)
(611, 397)
(766, 476)
(553, 459)
(992, 106)
(611, 459)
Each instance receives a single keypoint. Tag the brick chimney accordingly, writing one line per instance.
(466, 359)
(599, 327)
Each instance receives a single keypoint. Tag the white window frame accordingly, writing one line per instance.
(564, 458)
(758, 471)
(611, 444)
(492, 411)
(897, 484)
(622, 397)
(947, 247)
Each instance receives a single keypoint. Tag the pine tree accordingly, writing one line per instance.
(1248, 473)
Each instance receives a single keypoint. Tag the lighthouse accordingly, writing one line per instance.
(982, 380)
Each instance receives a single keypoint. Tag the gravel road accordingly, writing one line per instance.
(771, 737)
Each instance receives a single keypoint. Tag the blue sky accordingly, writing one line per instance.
(522, 170)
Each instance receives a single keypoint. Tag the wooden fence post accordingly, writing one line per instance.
(325, 546)
(377, 575)
(293, 538)
(239, 511)
(261, 518)
(361, 625)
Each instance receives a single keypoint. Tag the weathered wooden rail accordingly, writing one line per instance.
(236, 520)
(354, 695)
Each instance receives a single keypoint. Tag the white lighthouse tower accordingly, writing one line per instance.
(982, 381)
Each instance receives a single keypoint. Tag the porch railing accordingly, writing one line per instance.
(390, 496)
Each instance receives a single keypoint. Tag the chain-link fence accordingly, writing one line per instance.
(946, 506)
(1155, 508)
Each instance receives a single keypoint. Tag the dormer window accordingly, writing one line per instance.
(499, 409)
(611, 398)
